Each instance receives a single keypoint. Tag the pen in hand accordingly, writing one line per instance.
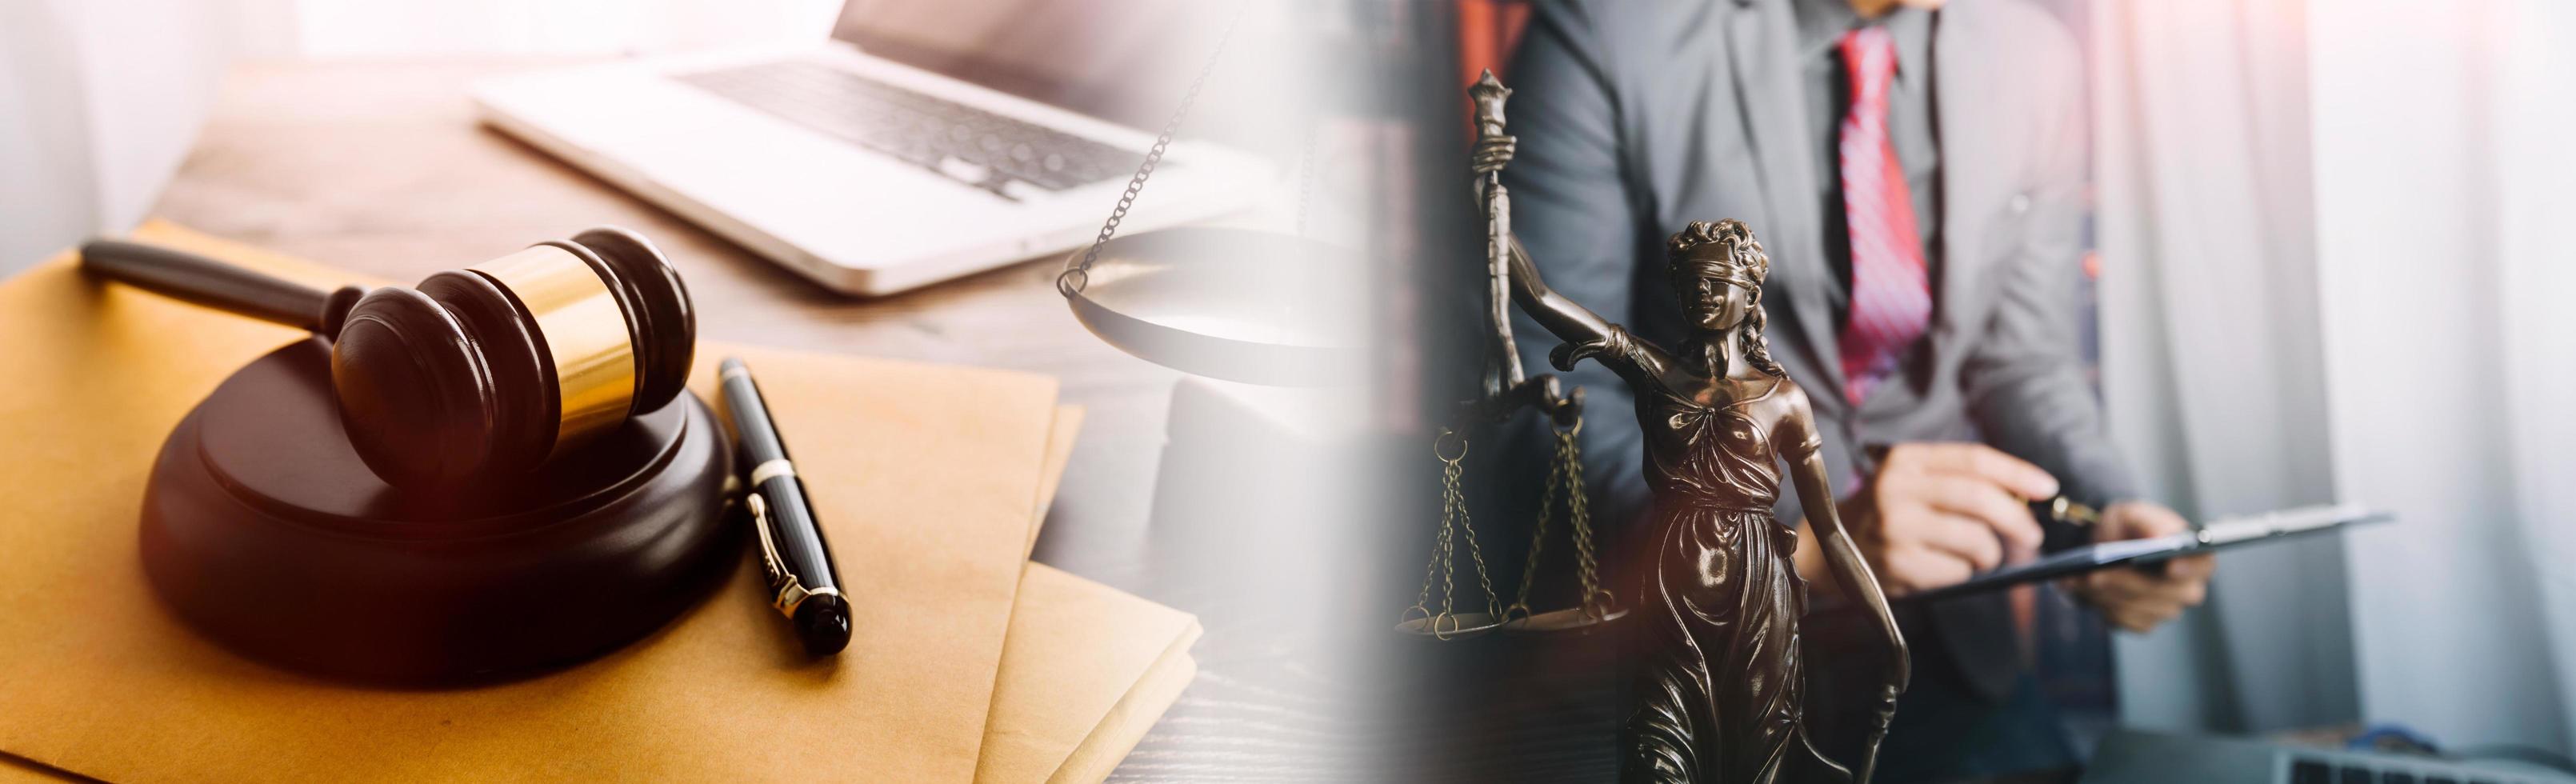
(2079, 519)
(804, 585)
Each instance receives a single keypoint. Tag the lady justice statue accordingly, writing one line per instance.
(1720, 674)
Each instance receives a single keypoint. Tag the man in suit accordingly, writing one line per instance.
(1915, 171)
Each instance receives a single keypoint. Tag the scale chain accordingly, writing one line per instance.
(1076, 275)
(1565, 480)
(1484, 578)
(1538, 538)
(1579, 509)
(1443, 567)
(1431, 569)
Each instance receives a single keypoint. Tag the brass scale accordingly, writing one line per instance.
(1507, 390)
(1216, 288)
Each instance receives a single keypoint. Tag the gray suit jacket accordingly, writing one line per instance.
(1635, 117)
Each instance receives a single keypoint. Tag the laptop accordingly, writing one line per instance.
(928, 139)
(2134, 757)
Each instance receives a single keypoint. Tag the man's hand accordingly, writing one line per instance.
(2139, 600)
(1938, 513)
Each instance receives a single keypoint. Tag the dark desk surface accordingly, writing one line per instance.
(380, 167)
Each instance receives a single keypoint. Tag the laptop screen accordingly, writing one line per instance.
(1126, 61)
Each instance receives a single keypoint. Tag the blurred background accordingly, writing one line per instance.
(102, 100)
(2328, 272)
(2325, 267)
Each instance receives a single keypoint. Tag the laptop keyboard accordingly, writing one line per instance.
(961, 142)
(2314, 771)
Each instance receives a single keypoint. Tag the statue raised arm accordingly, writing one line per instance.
(1722, 677)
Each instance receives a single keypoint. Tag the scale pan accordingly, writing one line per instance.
(1568, 619)
(1251, 306)
(1452, 626)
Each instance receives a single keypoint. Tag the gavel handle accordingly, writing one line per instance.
(204, 281)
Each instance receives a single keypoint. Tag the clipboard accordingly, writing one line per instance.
(2219, 534)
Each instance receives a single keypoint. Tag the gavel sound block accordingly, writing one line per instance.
(267, 528)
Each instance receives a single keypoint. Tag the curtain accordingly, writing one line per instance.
(2441, 175)
(2211, 351)
(2330, 272)
(2538, 172)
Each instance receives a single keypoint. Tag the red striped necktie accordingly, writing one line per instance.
(1891, 296)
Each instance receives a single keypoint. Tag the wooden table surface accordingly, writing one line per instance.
(380, 167)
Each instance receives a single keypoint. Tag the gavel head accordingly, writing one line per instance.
(482, 374)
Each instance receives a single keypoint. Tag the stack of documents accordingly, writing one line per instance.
(969, 662)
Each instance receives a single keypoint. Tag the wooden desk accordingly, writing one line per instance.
(380, 167)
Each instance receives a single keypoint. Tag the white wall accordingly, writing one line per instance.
(372, 28)
(100, 100)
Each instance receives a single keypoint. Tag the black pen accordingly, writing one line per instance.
(802, 582)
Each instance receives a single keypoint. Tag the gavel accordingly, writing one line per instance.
(477, 375)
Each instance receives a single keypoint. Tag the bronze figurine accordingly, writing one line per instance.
(1721, 674)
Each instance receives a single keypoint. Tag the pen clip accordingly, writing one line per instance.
(2065, 509)
(789, 592)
